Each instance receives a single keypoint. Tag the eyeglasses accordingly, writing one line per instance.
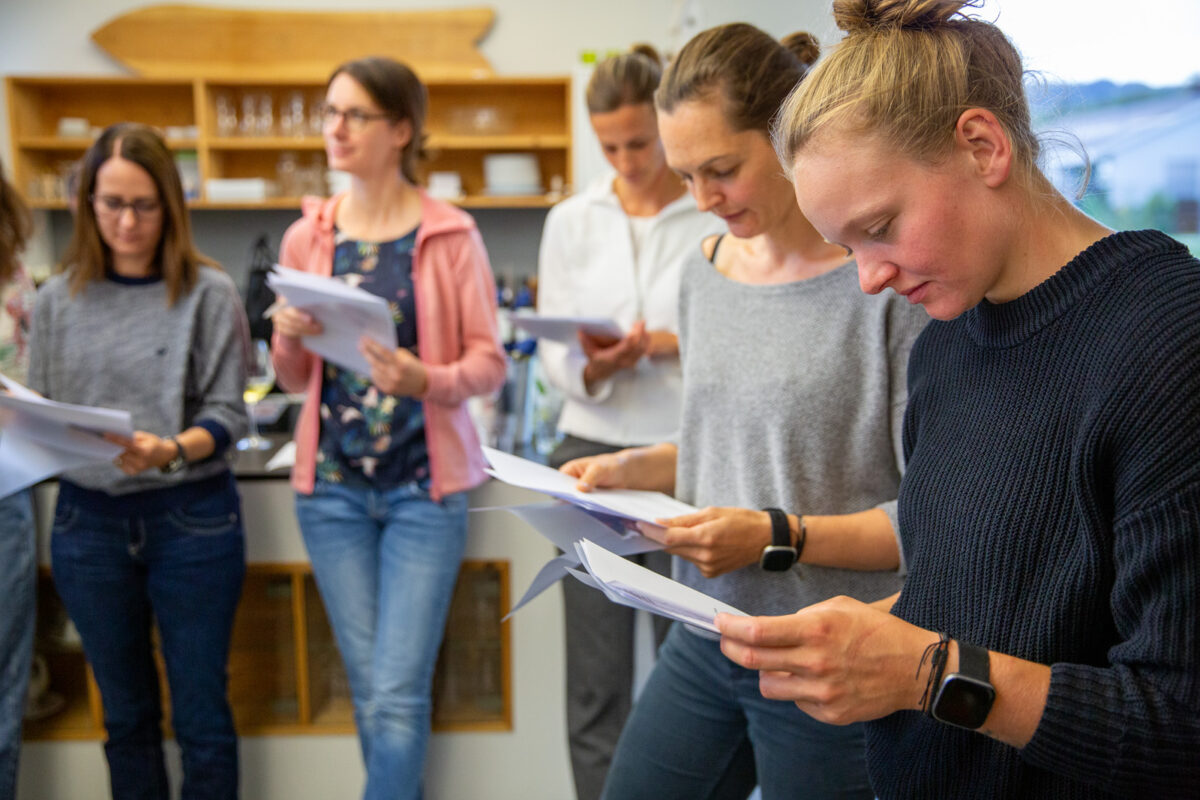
(356, 118)
(108, 205)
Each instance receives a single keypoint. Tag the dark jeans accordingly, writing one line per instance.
(18, 587)
(182, 569)
(600, 645)
(687, 737)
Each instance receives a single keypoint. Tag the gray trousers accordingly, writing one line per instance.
(599, 656)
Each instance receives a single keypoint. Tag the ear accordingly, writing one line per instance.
(402, 132)
(981, 137)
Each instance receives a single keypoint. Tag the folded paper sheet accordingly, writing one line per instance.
(41, 438)
(633, 504)
(565, 329)
(605, 516)
(346, 313)
(564, 525)
(633, 585)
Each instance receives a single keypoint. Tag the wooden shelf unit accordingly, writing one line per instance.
(468, 120)
(285, 672)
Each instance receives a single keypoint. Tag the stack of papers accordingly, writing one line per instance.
(565, 329)
(346, 313)
(40, 438)
(635, 586)
(604, 516)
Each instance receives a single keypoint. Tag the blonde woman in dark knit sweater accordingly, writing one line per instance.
(1051, 503)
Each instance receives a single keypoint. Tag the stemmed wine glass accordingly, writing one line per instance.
(259, 381)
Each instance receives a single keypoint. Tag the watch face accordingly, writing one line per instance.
(963, 701)
(777, 559)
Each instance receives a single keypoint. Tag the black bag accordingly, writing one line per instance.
(259, 296)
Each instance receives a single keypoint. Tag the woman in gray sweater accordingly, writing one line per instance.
(792, 400)
(140, 321)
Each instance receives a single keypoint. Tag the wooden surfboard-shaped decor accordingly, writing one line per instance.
(189, 41)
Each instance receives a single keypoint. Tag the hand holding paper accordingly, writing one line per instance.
(633, 504)
(346, 313)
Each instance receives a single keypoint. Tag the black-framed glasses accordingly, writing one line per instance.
(356, 118)
(109, 205)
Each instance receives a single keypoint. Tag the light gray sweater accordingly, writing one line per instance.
(793, 397)
(120, 345)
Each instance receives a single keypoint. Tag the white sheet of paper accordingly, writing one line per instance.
(41, 438)
(565, 329)
(284, 458)
(346, 313)
(563, 525)
(628, 503)
(633, 585)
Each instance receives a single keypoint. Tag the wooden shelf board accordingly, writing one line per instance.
(492, 142)
(266, 143)
(80, 143)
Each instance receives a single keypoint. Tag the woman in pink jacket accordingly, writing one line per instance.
(384, 460)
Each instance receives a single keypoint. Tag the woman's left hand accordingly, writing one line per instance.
(716, 540)
(840, 660)
(396, 372)
(143, 451)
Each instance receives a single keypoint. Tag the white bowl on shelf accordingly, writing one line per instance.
(511, 173)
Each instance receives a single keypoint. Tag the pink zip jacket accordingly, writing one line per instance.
(457, 339)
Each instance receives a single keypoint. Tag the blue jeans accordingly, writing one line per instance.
(18, 579)
(688, 733)
(182, 569)
(386, 564)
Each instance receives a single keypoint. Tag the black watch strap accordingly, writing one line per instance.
(780, 555)
(781, 532)
(973, 662)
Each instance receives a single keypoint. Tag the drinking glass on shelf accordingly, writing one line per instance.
(259, 381)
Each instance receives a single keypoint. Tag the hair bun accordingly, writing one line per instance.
(804, 46)
(866, 16)
(647, 50)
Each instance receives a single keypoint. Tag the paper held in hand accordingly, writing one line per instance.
(632, 585)
(632, 504)
(346, 313)
(565, 329)
(41, 438)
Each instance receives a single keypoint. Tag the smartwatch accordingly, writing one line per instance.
(780, 554)
(965, 698)
(178, 462)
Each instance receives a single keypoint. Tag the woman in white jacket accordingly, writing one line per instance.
(615, 250)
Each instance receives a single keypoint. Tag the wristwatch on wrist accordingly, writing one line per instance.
(780, 554)
(965, 698)
(177, 462)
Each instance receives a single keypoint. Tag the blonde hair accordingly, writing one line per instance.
(747, 69)
(905, 72)
(177, 260)
(628, 79)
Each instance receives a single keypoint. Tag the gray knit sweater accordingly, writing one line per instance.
(793, 397)
(119, 345)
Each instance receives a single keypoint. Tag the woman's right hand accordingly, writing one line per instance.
(292, 322)
(606, 471)
(608, 356)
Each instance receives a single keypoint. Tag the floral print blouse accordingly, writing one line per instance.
(371, 439)
(16, 313)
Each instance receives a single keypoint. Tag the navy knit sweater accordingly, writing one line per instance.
(1051, 511)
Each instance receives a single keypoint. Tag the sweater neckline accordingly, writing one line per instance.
(1009, 324)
